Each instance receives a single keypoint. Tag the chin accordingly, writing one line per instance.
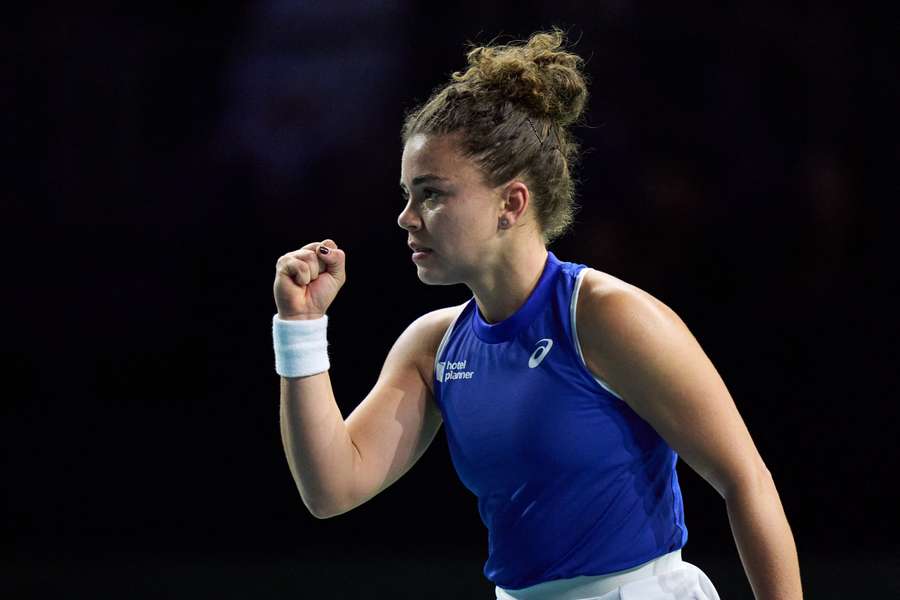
(431, 277)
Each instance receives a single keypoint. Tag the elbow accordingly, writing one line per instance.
(318, 507)
(317, 510)
(753, 481)
(326, 510)
(322, 502)
(321, 515)
(321, 511)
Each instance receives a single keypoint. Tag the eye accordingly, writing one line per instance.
(426, 195)
(430, 193)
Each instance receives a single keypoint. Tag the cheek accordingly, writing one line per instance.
(454, 228)
(463, 223)
(476, 225)
(440, 221)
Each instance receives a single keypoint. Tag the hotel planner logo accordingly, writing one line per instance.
(448, 371)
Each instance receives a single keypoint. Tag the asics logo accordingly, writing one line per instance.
(540, 353)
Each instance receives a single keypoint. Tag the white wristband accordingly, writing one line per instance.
(300, 346)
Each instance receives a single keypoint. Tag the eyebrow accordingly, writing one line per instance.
(424, 179)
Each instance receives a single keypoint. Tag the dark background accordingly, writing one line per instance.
(740, 164)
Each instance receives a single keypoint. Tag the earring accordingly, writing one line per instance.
(504, 223)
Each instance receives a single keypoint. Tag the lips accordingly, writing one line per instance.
(419, 247)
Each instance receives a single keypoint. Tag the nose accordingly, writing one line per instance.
(408, 218)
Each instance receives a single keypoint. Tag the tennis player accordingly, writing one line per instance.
(567, 395)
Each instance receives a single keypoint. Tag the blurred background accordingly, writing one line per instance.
(740, 164)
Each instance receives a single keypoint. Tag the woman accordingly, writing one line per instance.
(566, 394)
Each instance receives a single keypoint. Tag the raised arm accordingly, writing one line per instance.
(647, 355)
(340, 464)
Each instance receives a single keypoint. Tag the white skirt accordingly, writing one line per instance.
(664, 578)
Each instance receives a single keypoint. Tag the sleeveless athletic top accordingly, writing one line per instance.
(570, 481)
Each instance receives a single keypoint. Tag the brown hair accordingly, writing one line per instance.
(512, 108)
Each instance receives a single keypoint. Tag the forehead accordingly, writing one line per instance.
(434, 154)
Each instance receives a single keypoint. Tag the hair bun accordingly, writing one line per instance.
(539, 75)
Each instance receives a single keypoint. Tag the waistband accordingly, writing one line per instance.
(592, 585)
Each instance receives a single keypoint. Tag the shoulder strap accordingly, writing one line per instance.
(572, 307)
(446, 338)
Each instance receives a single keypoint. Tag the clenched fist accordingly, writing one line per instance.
(307, 280)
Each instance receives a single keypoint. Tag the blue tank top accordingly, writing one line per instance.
(570, 480)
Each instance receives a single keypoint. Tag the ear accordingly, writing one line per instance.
(516, 198)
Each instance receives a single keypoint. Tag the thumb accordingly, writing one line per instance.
(333, 258)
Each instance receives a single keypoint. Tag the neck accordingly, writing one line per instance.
(505, 286)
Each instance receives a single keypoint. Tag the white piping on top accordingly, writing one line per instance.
(576, 342)
(444, 340)
(572, 307)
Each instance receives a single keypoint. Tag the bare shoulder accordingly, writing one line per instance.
(427, 332)
(612, 313)
(646, 353)
(599, 288)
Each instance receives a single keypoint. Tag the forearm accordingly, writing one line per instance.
(319, 450)
(764, 541)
